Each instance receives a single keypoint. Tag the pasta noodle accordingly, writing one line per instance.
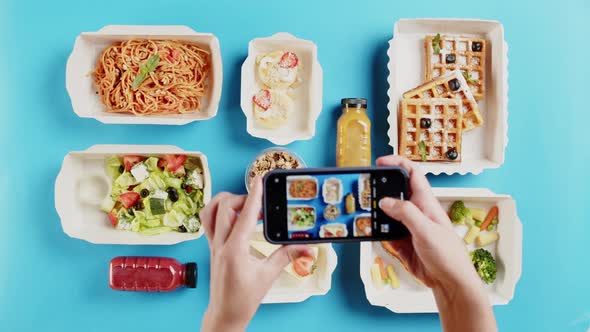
(175, 86)
(303, 189)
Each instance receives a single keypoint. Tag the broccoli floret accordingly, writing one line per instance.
(459, 212)
(484, 264)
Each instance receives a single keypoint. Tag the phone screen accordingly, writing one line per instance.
(332, 204)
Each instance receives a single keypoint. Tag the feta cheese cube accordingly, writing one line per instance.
(161, 194)
(192, 224)
(195, 179)
(140, 172)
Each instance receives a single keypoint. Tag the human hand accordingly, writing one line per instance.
(434, 253)
(239, 281)
(437, 256)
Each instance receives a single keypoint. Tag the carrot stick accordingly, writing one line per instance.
(492, 214)
(382, 270)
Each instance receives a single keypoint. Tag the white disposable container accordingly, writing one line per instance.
(82, 61)
(247, 175)
(357, 231)
(361, 188)
(483, 147)
(82, 183)
(289, 289)
(296, 228)
(307, 97)
(338, 183)
(335, 224)
(412, 296)
(292, 178)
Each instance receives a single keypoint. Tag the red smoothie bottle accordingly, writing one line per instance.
(151, 274)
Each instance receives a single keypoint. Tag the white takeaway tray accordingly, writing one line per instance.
(413, 297)
(79, 210)
(80, 83)
(307, 97)
(483, 147)
(288, 289)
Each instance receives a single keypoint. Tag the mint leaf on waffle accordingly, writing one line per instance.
(469, 78)
(436, 44)
(422, 149)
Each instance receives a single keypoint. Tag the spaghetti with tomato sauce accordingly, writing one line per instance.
(152, 77)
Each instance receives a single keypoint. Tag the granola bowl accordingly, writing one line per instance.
(270, 159)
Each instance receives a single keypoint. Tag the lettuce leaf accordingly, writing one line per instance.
(152, 164)
(154, 222)
(125, 180)
(157, 180)
(198, 198)
(155, 230)
(107, 204)
(173, 182)
(174, 218)
(112, 165)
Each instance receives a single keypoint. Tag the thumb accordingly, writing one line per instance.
(407, 213)
(282, 257)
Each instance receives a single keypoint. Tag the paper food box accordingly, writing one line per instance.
(482, 147)
(290, 288)
(296, 97)
(82, 184)
(412, 296)
(86, 102)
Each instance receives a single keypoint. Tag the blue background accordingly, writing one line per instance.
(349, 185)
(51, 282)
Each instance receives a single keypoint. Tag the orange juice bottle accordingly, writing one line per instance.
(353, 145)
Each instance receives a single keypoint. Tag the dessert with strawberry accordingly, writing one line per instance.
(272, 108)
(278, 70)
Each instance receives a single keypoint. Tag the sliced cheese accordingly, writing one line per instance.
(266, 249)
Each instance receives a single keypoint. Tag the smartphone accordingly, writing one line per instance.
(332, 204)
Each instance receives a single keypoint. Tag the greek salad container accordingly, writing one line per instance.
(89, 45)
(412, 296)
(306, 94)
(483, 147)
(82, 186)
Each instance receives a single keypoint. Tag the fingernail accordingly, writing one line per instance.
(387, 202)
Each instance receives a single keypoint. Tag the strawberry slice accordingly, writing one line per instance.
(262, 99)
(289, 60)
(129, 198)
(304, 265)
(174, 161)
(130, 160)
(162, 163)
(113, 218)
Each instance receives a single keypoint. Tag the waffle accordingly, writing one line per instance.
(439, 88)
(471, 62)
(444, 134)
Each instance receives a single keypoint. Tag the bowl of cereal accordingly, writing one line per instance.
(271, 159)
